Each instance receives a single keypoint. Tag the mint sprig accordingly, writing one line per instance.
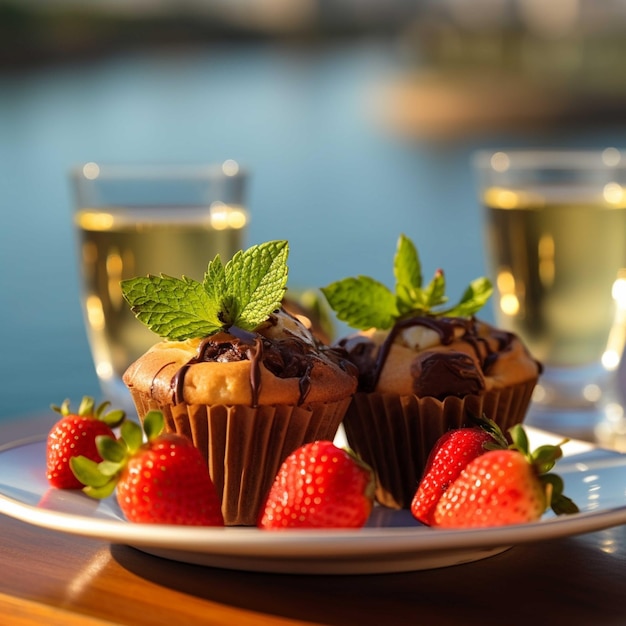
(242, 293)
(364, 302)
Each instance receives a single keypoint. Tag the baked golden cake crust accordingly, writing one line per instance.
(440, 357)
(281, 363)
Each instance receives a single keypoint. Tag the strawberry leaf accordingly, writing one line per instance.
(100, 479)
(87, 471)
(109, 468)
(102, 491)
(545, 457)
(111, 449)
(153, 425)
(520, 440)
(562, 505)
(86, 407)
(559, 502)
(488, 425)
(114, 418)
(132, 436)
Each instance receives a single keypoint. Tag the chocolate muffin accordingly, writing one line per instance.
(422, 378)
(244, 379)
(424, 368)
(246, 400)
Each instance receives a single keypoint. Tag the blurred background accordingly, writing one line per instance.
(356, 119)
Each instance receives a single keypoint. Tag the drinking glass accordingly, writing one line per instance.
(555, 235)
(135, 220)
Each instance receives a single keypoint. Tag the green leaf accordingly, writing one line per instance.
(407, 270)
(86, 407)
(87, 471)
(362, 302)
(562, 505)
(435, 291)
(348, 296)
(488, 425)
(473, 299)
(256, 281)
(243, 293)
(214, 282)
(559, 502)
(174, 308)
(543, 460)
(109, 468)
(545, 457)
(520, 439)
(153, 423)
(114, 418)
(110, 449)
(101, 478)
(102, 491)
(101, 408)
(64, 409)
(132, 436)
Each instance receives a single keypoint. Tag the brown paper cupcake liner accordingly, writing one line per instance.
(244, 447)
(395, 434)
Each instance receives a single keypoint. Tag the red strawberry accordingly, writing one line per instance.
(503, 487)
(319, 486)
(75, 434)
(162, 481)
(452, 452)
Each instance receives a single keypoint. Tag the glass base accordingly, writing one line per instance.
(581, 403)
(574, 388)
(580, 423)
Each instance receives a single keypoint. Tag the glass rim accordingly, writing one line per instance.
(94, 171)
(499, 160)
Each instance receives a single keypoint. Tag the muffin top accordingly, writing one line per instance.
(227, 339)
(439, 357)
(411, 341)
(279, 363)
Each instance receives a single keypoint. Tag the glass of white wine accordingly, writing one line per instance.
(134, 220)
(555, 237)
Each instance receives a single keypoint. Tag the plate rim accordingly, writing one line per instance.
(296, 545)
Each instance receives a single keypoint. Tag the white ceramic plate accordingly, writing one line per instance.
(392, 542)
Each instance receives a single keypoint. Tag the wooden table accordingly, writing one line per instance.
(54, 578)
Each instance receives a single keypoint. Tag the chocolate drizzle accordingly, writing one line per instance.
(455, 370)
(286, 357)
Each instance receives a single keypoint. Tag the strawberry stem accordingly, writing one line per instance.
(101, 478)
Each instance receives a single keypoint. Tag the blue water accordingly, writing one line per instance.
(326, 175)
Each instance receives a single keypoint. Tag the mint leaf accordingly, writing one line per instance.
(407, 270)
(214, 282)
(435, 291)
(473, 298)
(256, 280)
(362, 302)
(171, 307)
(243, 293)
